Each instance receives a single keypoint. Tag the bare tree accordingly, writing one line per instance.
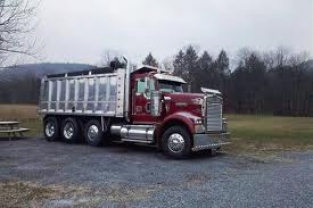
(168, 64)
(277, 58)
(108, 56)
(299, 58)
(17, 21)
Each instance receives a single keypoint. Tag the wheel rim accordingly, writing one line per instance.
(68, 131)
(93, 133)
(176, 143)
(50, 129)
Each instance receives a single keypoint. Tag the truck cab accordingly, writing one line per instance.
(183, 122)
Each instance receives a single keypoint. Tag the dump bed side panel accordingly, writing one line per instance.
(99, 94)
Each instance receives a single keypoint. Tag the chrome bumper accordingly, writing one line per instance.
(210, 141)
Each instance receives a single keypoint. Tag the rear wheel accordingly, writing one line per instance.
(51, 129)
(176, 142)
(93, 133)
(70, 130)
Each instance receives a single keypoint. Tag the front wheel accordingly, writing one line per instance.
(176, 142)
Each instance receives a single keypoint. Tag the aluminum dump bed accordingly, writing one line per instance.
(100, 94)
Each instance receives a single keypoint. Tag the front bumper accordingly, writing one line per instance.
(210, 141)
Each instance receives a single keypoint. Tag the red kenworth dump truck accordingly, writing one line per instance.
(143, 105)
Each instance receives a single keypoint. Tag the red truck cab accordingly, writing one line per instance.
(184, 122)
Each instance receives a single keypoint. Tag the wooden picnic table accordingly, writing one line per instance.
(12, 128)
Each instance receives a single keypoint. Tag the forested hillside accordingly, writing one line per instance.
(21, 84)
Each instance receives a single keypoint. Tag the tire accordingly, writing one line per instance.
(93, 133)
(70, 131)
(51, 129)
(180, 135)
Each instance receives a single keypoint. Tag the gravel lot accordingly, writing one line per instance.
(36, 173)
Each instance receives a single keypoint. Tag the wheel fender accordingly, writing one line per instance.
(182, 117)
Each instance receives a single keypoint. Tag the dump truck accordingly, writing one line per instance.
(143, 105)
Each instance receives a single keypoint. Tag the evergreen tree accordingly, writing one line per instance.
(190, 67)
(206, 75)
(222, 66)
(222, 63)
(179, 64)
(150, 61)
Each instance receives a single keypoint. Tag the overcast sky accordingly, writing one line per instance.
(80, 30)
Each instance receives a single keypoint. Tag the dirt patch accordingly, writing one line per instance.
(196, 179)
(26, 194)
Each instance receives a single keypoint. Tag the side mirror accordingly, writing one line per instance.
(155, 103)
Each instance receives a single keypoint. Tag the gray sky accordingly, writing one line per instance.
(80, 30)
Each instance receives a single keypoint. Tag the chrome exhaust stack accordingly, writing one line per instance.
(127, 88)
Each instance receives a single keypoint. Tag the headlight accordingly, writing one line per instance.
(198, 101)
(198, 121)
(225, 125)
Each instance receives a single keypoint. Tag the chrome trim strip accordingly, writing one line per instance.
(211, 146)
(137, 141)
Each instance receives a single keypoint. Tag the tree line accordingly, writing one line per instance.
(24, 90)
(272, 83)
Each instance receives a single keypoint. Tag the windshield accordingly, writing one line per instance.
(168, 86)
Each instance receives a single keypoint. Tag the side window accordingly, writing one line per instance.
(151, 84)
(145, 86)
(141, 85)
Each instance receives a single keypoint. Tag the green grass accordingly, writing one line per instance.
(270, 133)
(35, 126)
(26, 114)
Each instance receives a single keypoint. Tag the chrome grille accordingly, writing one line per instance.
(214, 111)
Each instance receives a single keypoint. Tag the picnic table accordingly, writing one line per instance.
(12, 128)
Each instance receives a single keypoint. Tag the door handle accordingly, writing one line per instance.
(148, 107)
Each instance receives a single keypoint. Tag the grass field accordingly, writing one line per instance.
(270, 133)
(26, 114)
(18, 112)
(249, 133)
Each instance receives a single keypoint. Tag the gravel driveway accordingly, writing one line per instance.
(36, 173)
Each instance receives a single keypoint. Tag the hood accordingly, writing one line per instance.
(184, 102)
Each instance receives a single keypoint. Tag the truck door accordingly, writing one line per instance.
(142, 102)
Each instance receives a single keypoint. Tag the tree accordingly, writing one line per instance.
(222, 63)
(150, 61)
(291, 84)
(179, 64)
(16, 23)
(108, 56)
(206, 75)
(168, 65)
(249, 85)
(190, 61)
(222, 66)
